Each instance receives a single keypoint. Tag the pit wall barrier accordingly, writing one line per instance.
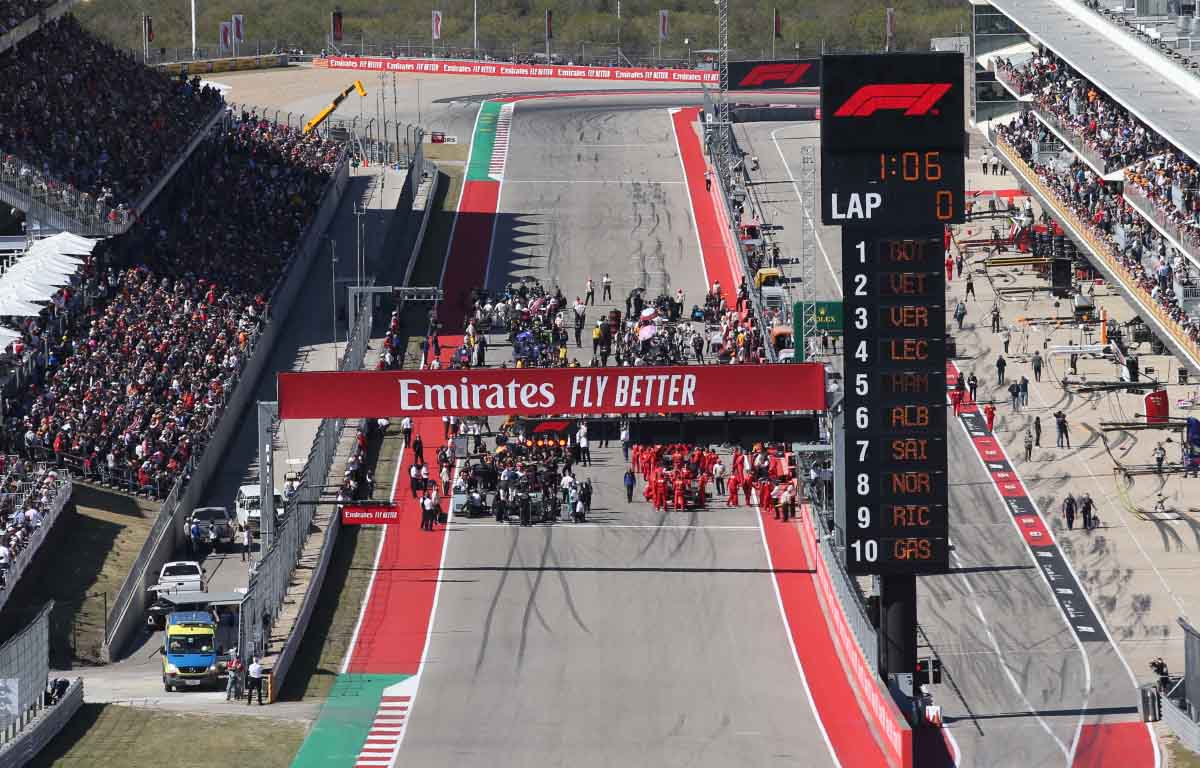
(891, 725)
(499, 69)
(209, 66)
(309, 601)
(895, 733)
(129, 608)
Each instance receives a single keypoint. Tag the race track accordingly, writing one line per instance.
(640, 639)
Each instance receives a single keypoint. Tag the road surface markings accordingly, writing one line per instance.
(500, 148)
(387, 731)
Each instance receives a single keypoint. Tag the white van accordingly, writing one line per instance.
(248, 507)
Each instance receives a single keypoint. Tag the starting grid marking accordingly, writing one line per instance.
(500, 147)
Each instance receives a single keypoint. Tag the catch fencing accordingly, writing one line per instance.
(272, 574)
(167, 533)
(374, 141)
(24, 667)
(733, 196)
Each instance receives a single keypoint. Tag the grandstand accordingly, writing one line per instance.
(1079, 133)
(1093, 109)
(88, 132)
(119, 356)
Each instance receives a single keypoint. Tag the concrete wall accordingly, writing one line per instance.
(172, 537)
(42, 730)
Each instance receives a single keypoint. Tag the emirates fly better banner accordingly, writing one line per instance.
(542, 391)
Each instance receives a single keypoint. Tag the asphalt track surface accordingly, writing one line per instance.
(548, 641)
(640, 638)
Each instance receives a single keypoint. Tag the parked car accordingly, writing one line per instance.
(248, 506)
(181, 576)
(217, 528)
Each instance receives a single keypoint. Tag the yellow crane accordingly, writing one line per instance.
(324, 113)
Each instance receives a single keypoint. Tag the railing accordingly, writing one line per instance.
(61, 206)
(24, 666)
(273, 573)
(166, 528)
(1109, 261)
(1073, 142)
(1188, 239)
(62, 493)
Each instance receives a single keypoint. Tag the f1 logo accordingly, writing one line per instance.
(914, 98)
(782, 73)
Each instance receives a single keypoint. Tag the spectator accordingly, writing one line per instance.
(91, 116)
(138, 381)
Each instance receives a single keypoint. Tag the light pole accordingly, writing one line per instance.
(333, 294)
(797, 51)
(475, 26)
(688, 43)
(193, 30)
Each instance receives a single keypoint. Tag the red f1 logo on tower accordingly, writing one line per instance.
(914, 98)
(782, 73)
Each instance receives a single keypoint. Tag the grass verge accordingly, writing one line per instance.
(319, 658)
(84, 561)
(106, 735)
(1180, 756)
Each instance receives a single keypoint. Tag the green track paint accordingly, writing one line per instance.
(345, 719)
(483, 141)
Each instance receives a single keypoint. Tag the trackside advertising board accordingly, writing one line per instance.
(500, 69)
(758, 75)
(539, 391)
(376, 514)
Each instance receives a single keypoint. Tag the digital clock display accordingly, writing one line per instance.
(910, 186)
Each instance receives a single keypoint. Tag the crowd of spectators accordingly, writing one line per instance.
(27, 491)
(1095, 121)
(134, 385)
(14, 13)
(1126, 238)
(88, 121)
(1171, 181)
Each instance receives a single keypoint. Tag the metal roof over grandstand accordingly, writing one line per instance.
(1163, 95)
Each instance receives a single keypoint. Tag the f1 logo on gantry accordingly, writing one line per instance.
(914, 99)
(782, 73)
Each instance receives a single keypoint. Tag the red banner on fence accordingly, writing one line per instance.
(499, 69)
(381, 514)
(552, 391)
